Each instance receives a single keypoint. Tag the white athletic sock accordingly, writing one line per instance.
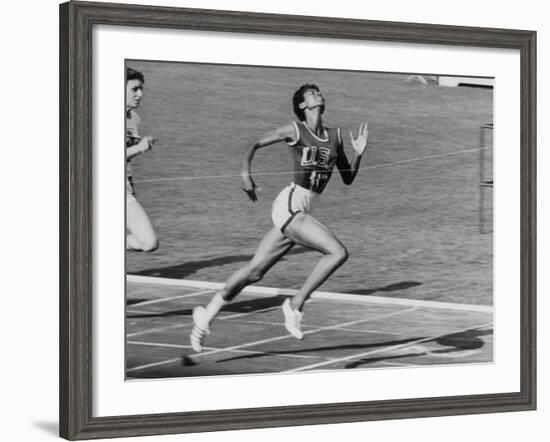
(215, 305)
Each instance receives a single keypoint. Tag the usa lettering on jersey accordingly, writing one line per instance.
(316, 156)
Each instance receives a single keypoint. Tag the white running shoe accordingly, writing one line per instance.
(201, 328)
(293, 320)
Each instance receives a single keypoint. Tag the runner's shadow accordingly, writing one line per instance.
(463, 341)
(318, 349)
(467, 340)
(241, 307)
(183, 270)
(398, 286)
(246, 306)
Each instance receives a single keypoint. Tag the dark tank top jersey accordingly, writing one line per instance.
(314, 157)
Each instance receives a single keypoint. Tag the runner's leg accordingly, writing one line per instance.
(309, 232)
(142, 235)
(272, 248)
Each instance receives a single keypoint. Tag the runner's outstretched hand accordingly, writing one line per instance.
(359, 144)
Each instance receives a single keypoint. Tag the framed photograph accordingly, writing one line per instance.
(273, 220)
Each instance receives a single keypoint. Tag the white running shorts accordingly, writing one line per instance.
(292, 200)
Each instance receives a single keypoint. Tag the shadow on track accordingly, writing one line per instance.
(327, 348)
(388, 288)
(185, 269)
(457, 342)
(245, 306)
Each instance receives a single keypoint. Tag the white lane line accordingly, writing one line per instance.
(382, 350)
(307, 332)
(153, 364)
(246, 352)
(157, 344)
(173, 327)
(398, 364)
(171, 298)
(273, 291)
(273, 339)
(375, 166)
(344, 329)
(154, 330)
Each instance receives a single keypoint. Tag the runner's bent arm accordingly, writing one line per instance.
(284, 133)
(145, 144)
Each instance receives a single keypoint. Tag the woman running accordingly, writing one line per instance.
(316, 149)
(141, 235)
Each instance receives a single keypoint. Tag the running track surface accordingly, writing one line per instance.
(341, 332)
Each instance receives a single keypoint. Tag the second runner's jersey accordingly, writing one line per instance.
(132, 134)
(314, 157)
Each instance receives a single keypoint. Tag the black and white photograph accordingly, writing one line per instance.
(285, 219)
(305, 221)
(275, 221)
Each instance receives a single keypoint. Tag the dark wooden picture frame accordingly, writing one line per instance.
(76, 22)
